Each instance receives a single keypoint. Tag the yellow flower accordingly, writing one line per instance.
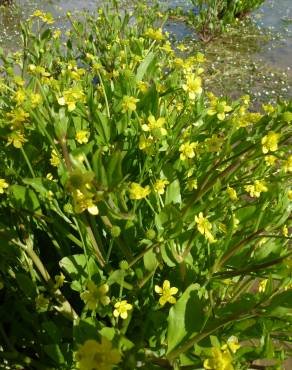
(17, 117)
(247, 119)
(56, 34)
(17, 139)
(285, 231)
(54, 160)
(19, 96)
(94, 295)
(3, 185)
(142, 86)
(268, 108)
(129, 104)
(72, 96)
(93, 355)
(256, 189)
(155, 126)
(288, 164)
(146, 144)
(155, 34)
(193, 86)
(188, 150)
(262, 285)
(289, 194)
(270, 160)
(232, 193)
(204, 227)
(122, 308)
(82, 136)
(138, 192)
(45, 17)
(84, 202)
(192, 184)
(232, 344)
(159, 186)
(270, 142)
(214, 143)
(35, 100)
(221, 360)
(166, 293)
(59, 279)
(219, 108)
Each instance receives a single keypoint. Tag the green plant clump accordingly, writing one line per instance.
(211, 17)
(144, 222)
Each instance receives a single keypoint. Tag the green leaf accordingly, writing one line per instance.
(114, 168)
(85, 329)
(79, 269)
(26, 285)
(24, 198)
(144, 66)
(173, 193)
(55, 353)
(185, 318)
(150, 260)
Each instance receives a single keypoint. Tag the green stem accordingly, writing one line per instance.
(65, 308)
(27, 162)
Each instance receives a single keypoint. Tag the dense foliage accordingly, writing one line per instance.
(144, 222)
(211, 17)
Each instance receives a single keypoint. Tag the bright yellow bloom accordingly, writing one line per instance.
(138, 192)
(262, 285)
(84, 202)
(54, 160)
(72, 96)
(192, 184)
(193, 86)
(129, 103)
(270, 160)
(142, 86)
(221, 360)
(56, 34)
(270, 142)
(159, 186)
(205, 227)
(288, 164)
(166, 293)
(35, 99)
(285, 231)
(17, 139)
(232, 343)
(17, 117)
(146, 144)
(155, 34)
(247, 119)
(82, 136)
(256, 189)
(19, 96)
(155, 126)
(45, 17)
(232, 193)
(94, 295)
(290, 194)
(268, 108)
(122, 308)
(3, 185)
(188, 150)
(94, 355)
(219, 108)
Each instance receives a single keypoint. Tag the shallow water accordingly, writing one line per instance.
(275, 56)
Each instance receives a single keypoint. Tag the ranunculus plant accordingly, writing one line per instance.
(144, 222)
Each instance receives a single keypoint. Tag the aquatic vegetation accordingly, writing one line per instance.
(144, 221)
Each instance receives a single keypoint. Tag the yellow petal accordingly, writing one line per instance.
(166, 284)
(158, 289)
